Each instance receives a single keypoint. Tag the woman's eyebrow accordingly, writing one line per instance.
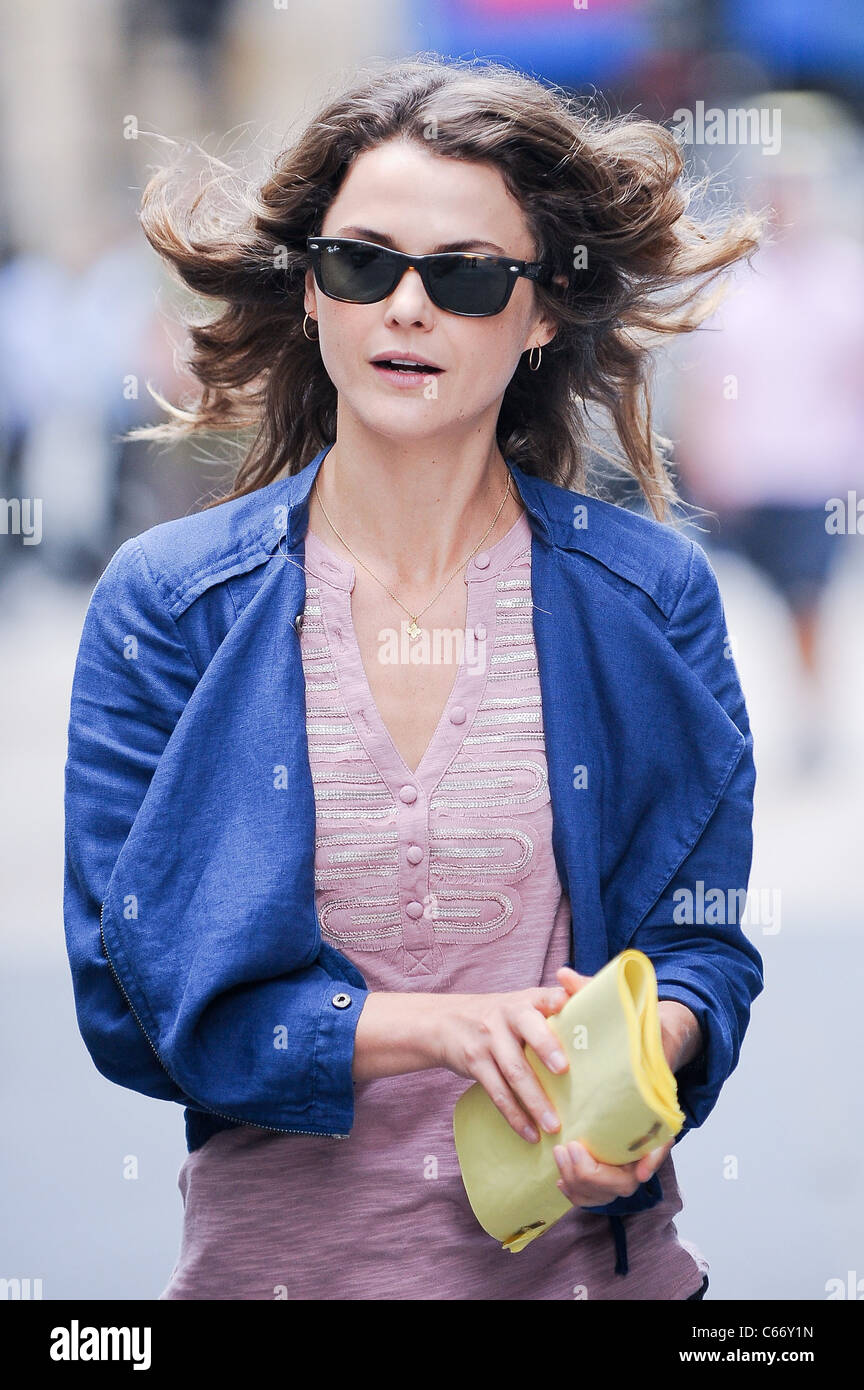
(368, 234)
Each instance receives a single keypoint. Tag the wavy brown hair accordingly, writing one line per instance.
(615, 186)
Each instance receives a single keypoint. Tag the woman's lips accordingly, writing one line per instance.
(405, 376)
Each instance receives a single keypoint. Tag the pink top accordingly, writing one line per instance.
(441, 879)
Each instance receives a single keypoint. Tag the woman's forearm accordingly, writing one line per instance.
(397, 1032)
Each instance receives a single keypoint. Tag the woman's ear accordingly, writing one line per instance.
(309, 291)
(548, 325)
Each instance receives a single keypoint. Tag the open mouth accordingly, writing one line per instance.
(397, 367)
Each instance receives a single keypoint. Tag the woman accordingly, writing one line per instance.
(378, 758)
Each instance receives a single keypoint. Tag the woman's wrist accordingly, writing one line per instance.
(680, 1032)
(395, 1034)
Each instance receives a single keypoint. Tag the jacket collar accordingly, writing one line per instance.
(562, 518)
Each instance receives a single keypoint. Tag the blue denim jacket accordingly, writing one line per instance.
(189, 902)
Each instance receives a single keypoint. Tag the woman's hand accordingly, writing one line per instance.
(588, 1183)
(484, 1035)
(585, 1181)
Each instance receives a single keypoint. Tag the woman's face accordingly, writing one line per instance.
(420, 202)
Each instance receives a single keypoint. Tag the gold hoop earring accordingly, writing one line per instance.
(538, 349)
(305, 334)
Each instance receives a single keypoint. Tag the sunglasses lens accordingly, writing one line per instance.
(363, 273)
(469, 285)
(356, 273)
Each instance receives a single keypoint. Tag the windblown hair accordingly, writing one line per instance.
(607, 194)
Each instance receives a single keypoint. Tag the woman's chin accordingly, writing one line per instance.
(409, 421)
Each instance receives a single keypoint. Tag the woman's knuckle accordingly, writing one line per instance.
(513, 1069)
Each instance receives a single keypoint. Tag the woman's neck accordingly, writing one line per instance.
(409, 514)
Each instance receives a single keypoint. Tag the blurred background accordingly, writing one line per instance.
(764, 409)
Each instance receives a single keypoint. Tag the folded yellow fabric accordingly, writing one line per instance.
(618, 1097)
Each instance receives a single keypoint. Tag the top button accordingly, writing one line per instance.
(408, 794)
(482, 560)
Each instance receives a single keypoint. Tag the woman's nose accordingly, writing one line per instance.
(409, 299)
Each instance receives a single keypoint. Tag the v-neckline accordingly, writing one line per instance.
(464, 696)
(374, 711)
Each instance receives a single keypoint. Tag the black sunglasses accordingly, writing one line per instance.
(461, 282)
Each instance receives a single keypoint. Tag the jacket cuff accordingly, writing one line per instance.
(341, 1006)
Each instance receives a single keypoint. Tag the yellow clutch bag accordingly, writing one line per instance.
(618, 1097)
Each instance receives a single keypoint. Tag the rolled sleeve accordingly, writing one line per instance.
(215, 992)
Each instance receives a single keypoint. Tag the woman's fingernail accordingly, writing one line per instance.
(549, 1121)
(530, 1134)
(558, 1060)
(560, 1154)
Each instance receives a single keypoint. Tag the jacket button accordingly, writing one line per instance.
(482, 560)
(298, 622)
(341, 1001)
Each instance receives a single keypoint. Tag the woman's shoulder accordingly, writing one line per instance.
(189, 554)
(656, 557)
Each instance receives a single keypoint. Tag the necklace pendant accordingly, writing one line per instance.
(413, 629)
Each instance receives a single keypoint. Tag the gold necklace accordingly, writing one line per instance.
(413, 629)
